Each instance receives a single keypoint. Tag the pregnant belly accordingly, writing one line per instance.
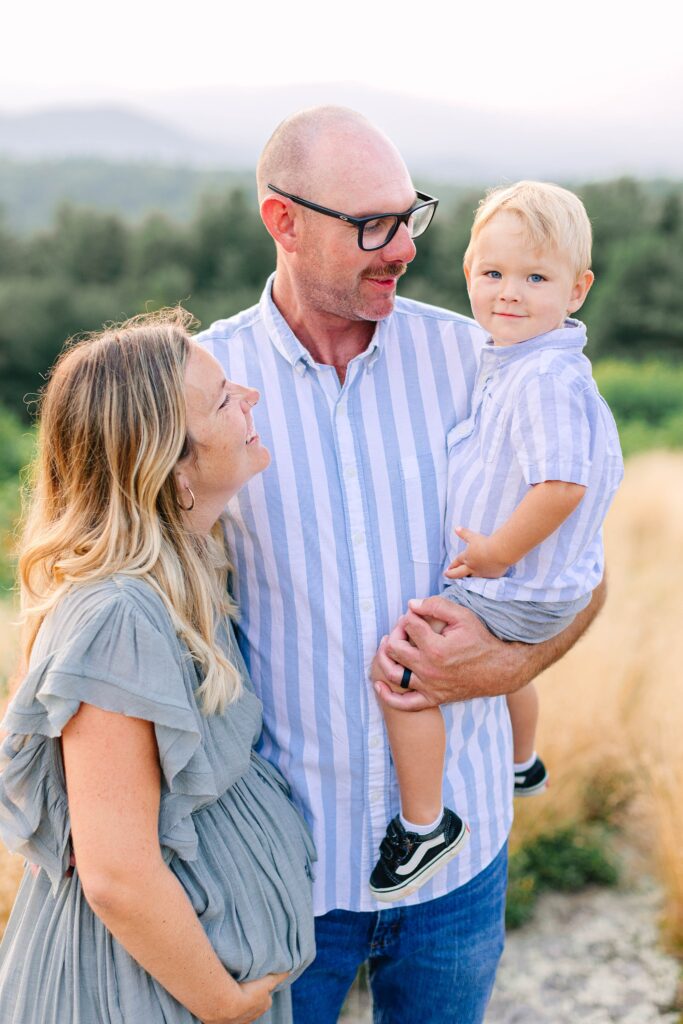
(251, 882)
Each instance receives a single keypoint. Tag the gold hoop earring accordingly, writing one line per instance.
(191, 505)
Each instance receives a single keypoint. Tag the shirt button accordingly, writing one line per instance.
(351, 472)
(375, 796)
(358, 538)
(375, 741)
(366, 605)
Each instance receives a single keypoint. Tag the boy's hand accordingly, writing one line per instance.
(479, 558)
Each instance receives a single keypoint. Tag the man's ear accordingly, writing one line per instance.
(580, 291)
(280, 220)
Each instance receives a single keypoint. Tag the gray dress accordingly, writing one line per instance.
(227, 828)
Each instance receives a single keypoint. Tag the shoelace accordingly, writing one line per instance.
(395, 841)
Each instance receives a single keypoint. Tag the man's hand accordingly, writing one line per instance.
(480, 557)
(464, 661)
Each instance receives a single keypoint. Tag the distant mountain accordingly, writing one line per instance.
(31, 191)
(440, 140)
(106, 132)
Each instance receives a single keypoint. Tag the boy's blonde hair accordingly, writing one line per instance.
(551, 216)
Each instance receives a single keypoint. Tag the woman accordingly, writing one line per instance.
(129, 754)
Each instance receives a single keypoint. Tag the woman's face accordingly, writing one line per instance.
(227, 449)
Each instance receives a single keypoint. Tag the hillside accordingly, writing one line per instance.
(439, 139)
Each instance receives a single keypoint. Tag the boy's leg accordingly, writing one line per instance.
(418, 748)
(531, 776)
(425, 836)
(523, 708)
(436, 962)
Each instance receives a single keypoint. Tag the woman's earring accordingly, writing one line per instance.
(191, 505)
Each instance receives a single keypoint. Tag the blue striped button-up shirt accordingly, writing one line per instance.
(329, 544)
(536, 415)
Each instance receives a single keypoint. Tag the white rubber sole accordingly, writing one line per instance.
(408, 888)
(534, 790)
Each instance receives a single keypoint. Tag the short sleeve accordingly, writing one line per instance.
(119, 660)
(550, 430)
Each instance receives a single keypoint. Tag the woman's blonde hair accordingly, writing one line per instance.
(104, 498)
(551, 216)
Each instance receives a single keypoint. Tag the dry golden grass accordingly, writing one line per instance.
(11, 867)
(8, 643)
(612, 710)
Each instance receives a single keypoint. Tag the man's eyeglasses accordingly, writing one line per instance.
(377, 230)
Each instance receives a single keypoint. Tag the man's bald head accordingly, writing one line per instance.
(336, 158)
(315, 147)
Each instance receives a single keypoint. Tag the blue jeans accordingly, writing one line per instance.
(434, 963)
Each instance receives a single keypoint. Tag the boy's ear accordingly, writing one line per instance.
(468, 276)
(580, 291)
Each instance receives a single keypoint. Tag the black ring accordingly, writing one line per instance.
(405, 678)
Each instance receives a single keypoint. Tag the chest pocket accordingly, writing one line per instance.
(423, 478)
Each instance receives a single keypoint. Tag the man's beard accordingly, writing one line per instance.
(349, 303)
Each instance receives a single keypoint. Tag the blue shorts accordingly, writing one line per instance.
(530, 622)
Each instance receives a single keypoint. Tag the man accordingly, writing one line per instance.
(359, 390)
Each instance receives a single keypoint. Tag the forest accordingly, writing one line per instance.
(89, 266)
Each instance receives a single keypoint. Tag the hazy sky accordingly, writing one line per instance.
(593, 55)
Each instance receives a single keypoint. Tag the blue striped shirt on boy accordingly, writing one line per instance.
(537, 415)
(329, 544)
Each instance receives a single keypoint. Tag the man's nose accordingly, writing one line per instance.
(401, 248)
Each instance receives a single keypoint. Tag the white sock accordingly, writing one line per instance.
(422, 830)
(524, 766)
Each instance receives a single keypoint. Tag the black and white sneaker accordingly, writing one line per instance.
(534, 780)
(408, 860)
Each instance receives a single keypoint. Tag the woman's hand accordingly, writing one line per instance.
(253, 1000)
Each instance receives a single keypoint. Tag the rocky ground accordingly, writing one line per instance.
(591, 957)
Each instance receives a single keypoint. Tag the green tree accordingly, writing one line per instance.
(16, 448)
(437, 276)
(157, 242)
(89, 247)
(636, 308)
(230, 246)
(36, 318)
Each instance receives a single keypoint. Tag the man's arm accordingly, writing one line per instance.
(464, 661)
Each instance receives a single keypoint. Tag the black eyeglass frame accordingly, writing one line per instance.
(360, 222)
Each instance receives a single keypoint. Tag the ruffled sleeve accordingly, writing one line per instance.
(107, 648)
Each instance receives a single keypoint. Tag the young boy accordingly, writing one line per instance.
(532, 473)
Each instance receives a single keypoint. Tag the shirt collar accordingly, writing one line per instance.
(571, 336)
(288, 345)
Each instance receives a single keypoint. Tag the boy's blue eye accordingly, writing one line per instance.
(494, 274)
(536, 278)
